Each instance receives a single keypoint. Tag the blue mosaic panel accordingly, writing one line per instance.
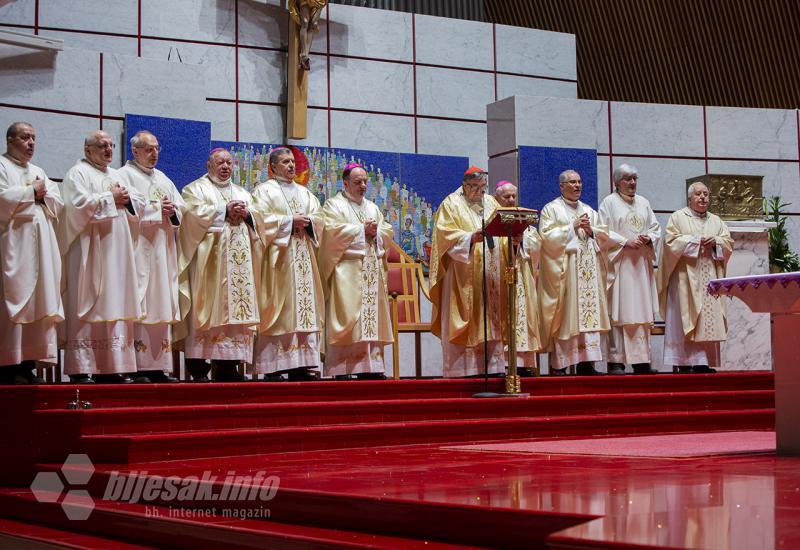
(184, 145)
(539, 168)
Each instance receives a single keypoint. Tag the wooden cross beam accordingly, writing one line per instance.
(297, 100)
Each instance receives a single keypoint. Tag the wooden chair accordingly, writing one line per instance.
(404, 281)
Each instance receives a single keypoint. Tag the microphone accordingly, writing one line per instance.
(489, 241)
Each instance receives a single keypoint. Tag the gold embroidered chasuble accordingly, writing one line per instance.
(291, 298)
(702, 315)
(572, 275)
(354, 273)
(453, 221)
(215, 260)
(527, 310)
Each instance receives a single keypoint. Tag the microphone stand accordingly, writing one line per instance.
(485, 393)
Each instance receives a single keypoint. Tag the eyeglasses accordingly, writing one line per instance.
(150, 148)
(104, 145)
(475, 186)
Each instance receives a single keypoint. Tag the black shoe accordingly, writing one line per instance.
(198, 370)
(303, 375)
(682, 369)
(226, 375)
(115, 378)
(558, 372)
(24, 375)
(703, 369)
(643, 368)
(157, 376)
(80, 379)
(586, 368)
(526, 372)
(344, 377)
(371, 376)
(271, 377)
(200, 378)
(140, 378)
(616, 369)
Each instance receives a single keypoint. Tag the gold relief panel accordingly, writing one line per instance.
(733, 197)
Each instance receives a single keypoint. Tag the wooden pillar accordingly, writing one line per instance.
(297, 100)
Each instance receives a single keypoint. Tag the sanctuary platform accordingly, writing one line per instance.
(630, 462)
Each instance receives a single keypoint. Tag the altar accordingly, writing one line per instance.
(777, 295)
(748, 343)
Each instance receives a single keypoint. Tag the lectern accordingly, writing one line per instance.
(510, 223)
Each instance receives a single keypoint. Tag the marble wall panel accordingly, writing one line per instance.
(201, 20)
(150, 87)
(650, 129)
(266, 23)
(373, 33)
(371, 85)
(318, 81)
(603, 178)
(317, 126)
(116, 129)
(222, 116)
(372, 132)
(218, 63)
(501, 126)
(21, 12)
(59, 138)
(561, 122)
(90, 15)
(793, 229)
(96, 42)
(752, 133)
(262, 75)
(453, 42)
(450, 137)
(510, 85)
(663, 181)
(261, 123)
(504, 167)
(535, 52)
(780, 178)
(452, 93)
(68, 80)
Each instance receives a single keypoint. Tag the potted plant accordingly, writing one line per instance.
(781, 257)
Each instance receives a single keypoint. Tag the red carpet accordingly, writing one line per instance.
(654, 446)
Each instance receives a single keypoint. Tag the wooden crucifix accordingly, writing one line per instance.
(303, 23)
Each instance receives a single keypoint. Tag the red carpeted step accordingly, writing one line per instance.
(148, 395)
(127, 448)
(193, 527)
(128, 420)
(20, 534)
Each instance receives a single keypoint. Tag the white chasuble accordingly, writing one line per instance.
(527, 310)
(694, 320)
(572, 283)
(101, 296)
(217, 275)
(291, 299)
(31, 265)
(632, 291)
(353, 270)
(156, 264)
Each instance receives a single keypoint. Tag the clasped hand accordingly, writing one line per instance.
(237, 212)
(371, 229)
(583, 222)
(638, 242)
(120, 194)
(39, 189)
(300, 221)
(167, 208)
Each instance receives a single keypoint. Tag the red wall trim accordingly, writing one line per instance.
(58, 111)
(101, 91)
(328, 65)
(688, 157)
(610, 153)
(705, 138)
(236, 60)
(494, 58)
(35, 17)
(139, 30)
(414, 74)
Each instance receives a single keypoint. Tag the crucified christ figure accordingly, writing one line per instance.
(305, 14)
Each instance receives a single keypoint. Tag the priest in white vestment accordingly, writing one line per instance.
(572, 278)
(291, 299)
(632, 292)
(217, 276)
(528, 247)
(101, 296)
(31, 278)
(156, 258)
(457, 280)
(352, 263)
(697, 247)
